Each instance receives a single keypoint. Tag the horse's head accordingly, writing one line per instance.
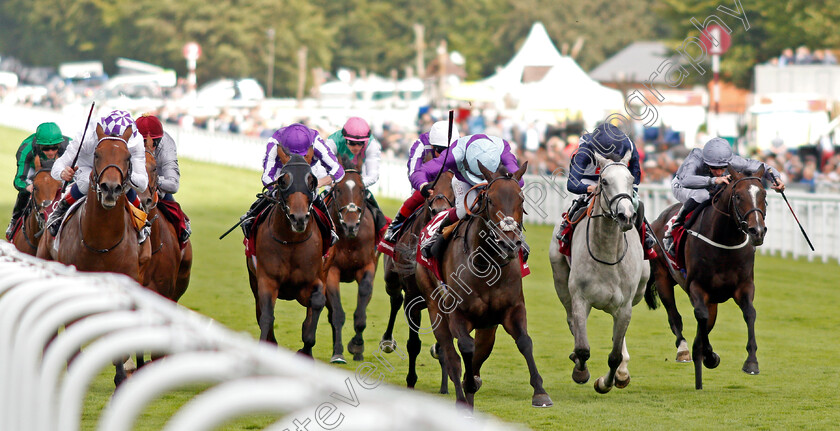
(615, 190)
(296, 187)
(349, 198)
(442, 197)
(748, 204)
(149, 197)
(111, 167)
(501, 205)
(44, 189)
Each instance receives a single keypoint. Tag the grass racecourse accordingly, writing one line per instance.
(796, 301)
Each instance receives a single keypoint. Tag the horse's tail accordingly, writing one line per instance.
(651, 295)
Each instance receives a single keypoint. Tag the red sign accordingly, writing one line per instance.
(192, 51)
(714, 33)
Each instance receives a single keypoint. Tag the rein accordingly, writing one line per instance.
(125, 177)
(740, 219)
(506, 224)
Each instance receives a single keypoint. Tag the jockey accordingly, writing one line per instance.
(113, 124)
(296, 139)
(47, 143)
(466, 152)
(432, 143)
(608, 141)
(166, 155)
(355, 142)
(705, 169)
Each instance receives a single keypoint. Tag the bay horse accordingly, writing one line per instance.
(482, 261)
(45, 188)
(100, 235)
(606, 271)
(400, 276)
(719, 265)
(288, 261)
(168, 271)
(354, 258)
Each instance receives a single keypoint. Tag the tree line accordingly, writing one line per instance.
(378, 36)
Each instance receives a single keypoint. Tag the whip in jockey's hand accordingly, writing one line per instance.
(68, 172)
(778, 185)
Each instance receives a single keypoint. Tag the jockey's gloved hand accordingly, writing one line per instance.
(635, 199)
(426, 190)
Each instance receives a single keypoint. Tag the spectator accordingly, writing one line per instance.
(787, 57)
(803, 55)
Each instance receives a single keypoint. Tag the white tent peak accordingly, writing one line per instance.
(537, 50)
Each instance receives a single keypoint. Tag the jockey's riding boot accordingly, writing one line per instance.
(247, 222)
(185, 234)
(434, 246)
(9, 229)
(526, 251)
(393, 228)
(54, 221)
(144, 232)
(576, 204)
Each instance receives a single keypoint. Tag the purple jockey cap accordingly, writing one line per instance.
(115, 123)
(296, 138)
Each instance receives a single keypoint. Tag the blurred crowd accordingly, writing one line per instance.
(804, 55)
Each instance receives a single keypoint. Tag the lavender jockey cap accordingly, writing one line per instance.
(115, 123)
(296, 138)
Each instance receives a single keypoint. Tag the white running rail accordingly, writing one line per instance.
(109, 316)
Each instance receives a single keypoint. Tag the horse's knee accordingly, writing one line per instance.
(614, 360)
(317, 300)
(466, 345)
(413, 346)
(524, 343)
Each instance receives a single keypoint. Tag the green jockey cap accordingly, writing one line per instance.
(48, 134)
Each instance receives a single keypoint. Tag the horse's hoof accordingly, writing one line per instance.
(338, 359)
(301, 352)
(541, 401)
(580, 376)
(432, 351)
(683, 356)
(387, 346)
(599, 388)
(477, 383)
(621, 384)
(358, 357)
(355, 348)
(750, 368)
(711, 361)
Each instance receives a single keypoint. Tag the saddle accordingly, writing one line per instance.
(577, 214)
(677, 260)
(388, 248)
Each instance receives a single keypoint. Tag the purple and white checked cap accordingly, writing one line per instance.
(115, 123)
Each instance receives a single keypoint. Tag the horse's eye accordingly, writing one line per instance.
(605, 182)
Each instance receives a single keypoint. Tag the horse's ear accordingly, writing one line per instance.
(627, 156)
(283, 154)
(759, 173)
(521, 171)
(601, 160)
(149, 144)
(127, 134)
(488, 175)
(309, 154)
(37, 163)
(100, 132)
(735, 174)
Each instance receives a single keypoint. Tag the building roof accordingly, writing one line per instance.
(634, 64)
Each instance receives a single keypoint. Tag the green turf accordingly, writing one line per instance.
(796, 303)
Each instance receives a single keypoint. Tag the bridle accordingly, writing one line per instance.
(96, 175)
(740, 219)
(610, 212)
(278, 195)
(350, 207)
(506, 223)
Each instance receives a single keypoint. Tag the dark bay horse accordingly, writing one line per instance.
(354, 258)
(400, 276)
(100, 236)
(719, 260)
(482, 286)
(288, 263)
(168, 271)
(44, 191)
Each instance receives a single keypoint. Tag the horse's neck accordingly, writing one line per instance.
(31, 222)
(484, 242)
(722, 227)
(105, 224)
(157, 225)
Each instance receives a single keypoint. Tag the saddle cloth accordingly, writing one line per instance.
(172, 211)
(677, 260)
(433, 264)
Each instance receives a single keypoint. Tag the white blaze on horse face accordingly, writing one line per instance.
(754, 190)
(350, 185)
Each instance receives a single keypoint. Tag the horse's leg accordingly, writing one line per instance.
(621, 320)
(365, 282)
(579, 314)
(119, 371)
(461, 329)
(412, 346)
(744, 298)
(710, 358)
(484, 341)
(335, 314)
(252, 281)
(452, 361)
(515, 323)
(622, 376)
(665, 288)
(267, 297)
(394, 290)
(701, 313)
(314, 304)
(182, 280)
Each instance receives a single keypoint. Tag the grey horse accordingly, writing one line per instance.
(606, 271)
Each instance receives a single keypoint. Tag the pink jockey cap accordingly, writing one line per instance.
(356, 129)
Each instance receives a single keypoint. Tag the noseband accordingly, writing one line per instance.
(123, 175)
(351, 207)
(506, 223)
